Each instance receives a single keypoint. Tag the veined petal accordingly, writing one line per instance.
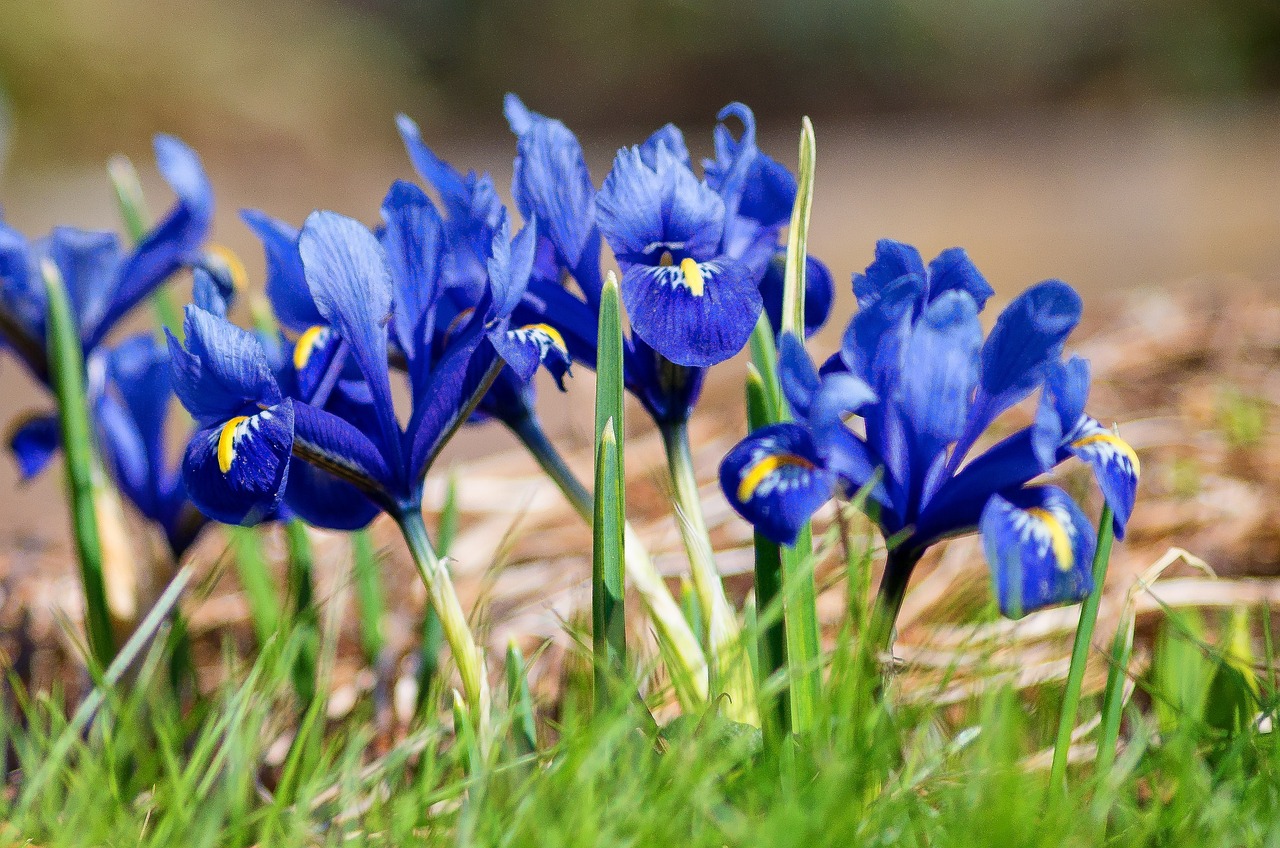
(223, 371)
(1028, 335)
(510, 264)
(938, 382)
(236, 471)
(348, 276)
(455, 382)
(444, 177)
(524, 348)
(953, 271)
(551, 181)
(893, 261)
(129, 457)
(1040, 547)
(1061, 409)
(647, 213)
(34, 440)
(319, 355)
(694, 313)
(550, 303)
(322, 500)
(775, 480)
(414, 242)
(286, 283)
(669, 137)
(138, 369)
(1115, 466)
(335, 446)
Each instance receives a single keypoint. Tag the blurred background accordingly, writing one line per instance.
(1118, 144)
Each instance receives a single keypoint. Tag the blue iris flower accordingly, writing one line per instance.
(472, 214)
(697, 256)
(926, 385)
(128, 384)
(251, 423)
(104, 282)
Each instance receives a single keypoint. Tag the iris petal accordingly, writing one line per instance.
(775, 480)
(1114, 464)
(524, 348)
(413, 239)
(350, 282)
(943, 352)
(551, 181)
(952, 270)
(222, 372)
(236, 471)
(34, 441)
(286, 283)
(1040, 548)
(893, 261)
(694, 314)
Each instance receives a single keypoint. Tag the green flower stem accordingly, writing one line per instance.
(66, 370)
(301, 592)
(893, 588)
(1080, 655)
(457, 632)
(685, 659)
(731, 662)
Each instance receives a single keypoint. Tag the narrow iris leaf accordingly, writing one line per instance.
(608, 521)
(798, 237)
(66, 373)
(1080, 654)
(255, 580)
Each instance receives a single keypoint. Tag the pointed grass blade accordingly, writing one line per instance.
(524, 729)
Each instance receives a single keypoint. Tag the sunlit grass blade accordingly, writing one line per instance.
(66, 374)
(365, 567)
(1080, 655)
(133, 213)
(524, 728)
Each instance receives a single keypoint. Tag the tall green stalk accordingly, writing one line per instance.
(457, 632)
(608, 611)
(66, 375)
(1080, 655)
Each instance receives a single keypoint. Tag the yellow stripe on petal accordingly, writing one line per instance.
(759, 472)
(235, 268)
(693, 276)
(1116, 442)
(550, 332)
(306, 346)
(1062, 550)
(226, 443)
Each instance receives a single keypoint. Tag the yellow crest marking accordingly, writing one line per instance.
(762, 469)
(1116, 442)
(1062, 550)
(226, 443)
(693, 276)
(239, 276)
(551, 332)
(306, 346)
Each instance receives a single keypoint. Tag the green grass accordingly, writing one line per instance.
(871, 773)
